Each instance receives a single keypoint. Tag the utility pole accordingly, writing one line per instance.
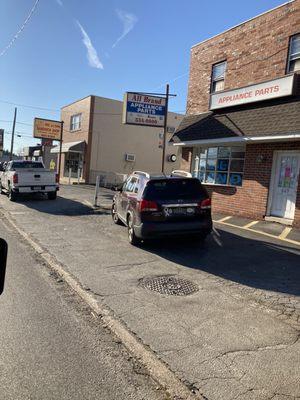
(13, 136)
(165, 131)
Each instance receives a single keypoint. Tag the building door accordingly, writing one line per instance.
(73, 162)
(285, 183)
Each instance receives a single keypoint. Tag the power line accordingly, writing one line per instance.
(19, 134)
(20, 30)
(171, 81)
(21, 123)
(29, 106)
(58, 110)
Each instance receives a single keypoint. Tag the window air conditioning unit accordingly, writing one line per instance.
(130, 157)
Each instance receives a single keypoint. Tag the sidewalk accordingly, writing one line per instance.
(236, 337)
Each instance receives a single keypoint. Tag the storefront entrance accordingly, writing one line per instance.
(73, 164)
(284, 184)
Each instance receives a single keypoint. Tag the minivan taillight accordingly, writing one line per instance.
(205, 204)
(147, 205)
(15, 178)
(56, 178)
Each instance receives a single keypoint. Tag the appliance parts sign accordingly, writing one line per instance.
(46, 128)
(140, 109)
(263, 91)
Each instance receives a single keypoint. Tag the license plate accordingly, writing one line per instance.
(169, 211)
(37, 187)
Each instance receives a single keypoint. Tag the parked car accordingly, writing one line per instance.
(156, 206)
(28, 177)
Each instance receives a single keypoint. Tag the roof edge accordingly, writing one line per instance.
(240, 139)
(241, 23)
(178, 130)
(76, 101)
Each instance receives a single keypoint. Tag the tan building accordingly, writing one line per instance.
(96, 142)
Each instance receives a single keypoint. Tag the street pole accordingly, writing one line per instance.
(60, 148)
(13, 136)
(96, 191)
(165, 131)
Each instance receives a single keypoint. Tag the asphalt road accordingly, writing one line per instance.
(51, 346)
(237, 337)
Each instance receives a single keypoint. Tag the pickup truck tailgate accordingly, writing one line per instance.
(36, 177)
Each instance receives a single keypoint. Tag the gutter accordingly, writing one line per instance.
(239, 139)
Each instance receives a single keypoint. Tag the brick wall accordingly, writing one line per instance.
(186, 158)
(251, 199)
(255, 51)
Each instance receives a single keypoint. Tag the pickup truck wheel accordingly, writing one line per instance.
(131, 234)
(114, 215)
(12, 195)
(52, 195)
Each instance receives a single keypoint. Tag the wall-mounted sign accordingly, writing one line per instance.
(263, 91)
(141, 109)
(46, 128)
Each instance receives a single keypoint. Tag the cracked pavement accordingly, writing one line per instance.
(236, 338)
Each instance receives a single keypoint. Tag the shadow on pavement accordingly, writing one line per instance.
(60, 206)
(249, 262)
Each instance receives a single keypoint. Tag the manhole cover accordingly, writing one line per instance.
(169, 285)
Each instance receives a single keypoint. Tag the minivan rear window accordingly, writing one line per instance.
(171, 189)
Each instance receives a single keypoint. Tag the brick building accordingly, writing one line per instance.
(241, 134)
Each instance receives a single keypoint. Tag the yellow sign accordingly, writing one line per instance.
(52, 164)
(46, 128)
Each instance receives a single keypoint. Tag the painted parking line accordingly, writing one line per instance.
(259, 232)
(224, 219)
(88, 203)
(285, 232)
(250, 224)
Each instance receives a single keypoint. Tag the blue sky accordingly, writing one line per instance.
(72, 48)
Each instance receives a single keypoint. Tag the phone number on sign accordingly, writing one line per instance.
(147, 121)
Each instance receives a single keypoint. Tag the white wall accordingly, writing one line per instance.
(111, 139)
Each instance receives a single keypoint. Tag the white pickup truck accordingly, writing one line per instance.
(28, 177)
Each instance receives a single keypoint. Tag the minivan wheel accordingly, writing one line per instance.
(114, 215)
(131, 234)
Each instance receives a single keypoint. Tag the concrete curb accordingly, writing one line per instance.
(157, 369)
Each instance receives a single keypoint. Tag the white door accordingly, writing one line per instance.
(285, 183)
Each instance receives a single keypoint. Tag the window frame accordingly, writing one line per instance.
(289, 60)
(196, 170)
(72, 124)
(212, 81)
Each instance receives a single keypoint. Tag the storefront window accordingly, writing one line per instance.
(220, 165)
(73, 162)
